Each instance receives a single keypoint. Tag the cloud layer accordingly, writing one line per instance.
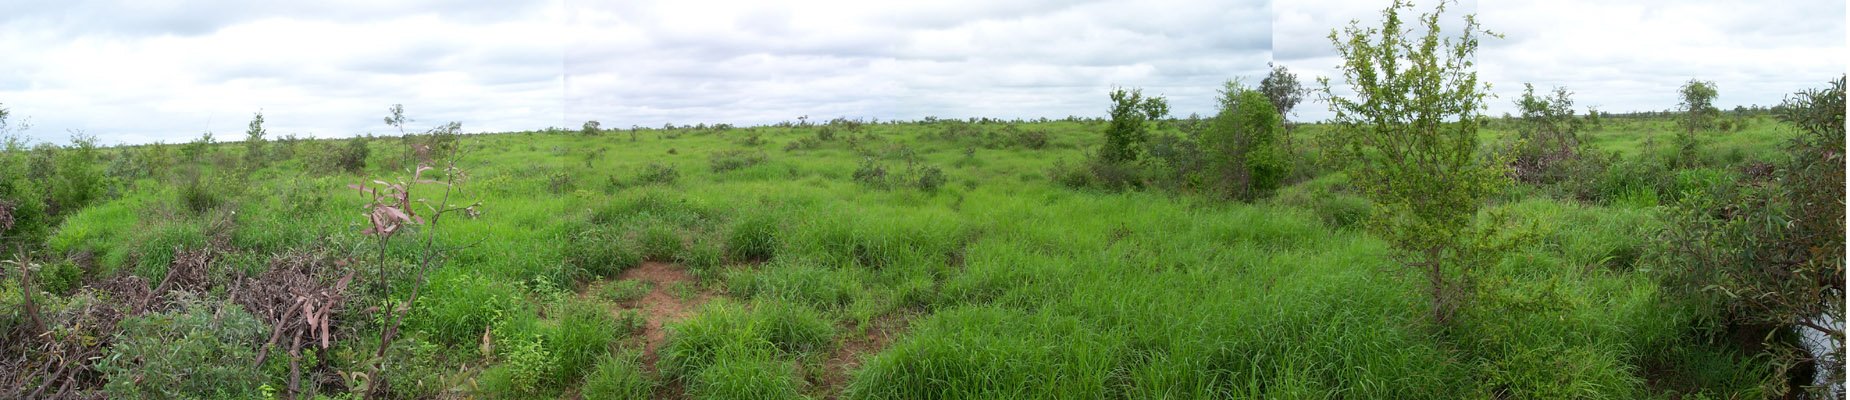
(136, 72)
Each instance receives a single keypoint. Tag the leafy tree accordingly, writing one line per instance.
(1409, 142)
(1697, 105)
(1243, 144)
(1282, 89)
(253, 142)
(1698, 114)
(591, 128)
(1126, 134)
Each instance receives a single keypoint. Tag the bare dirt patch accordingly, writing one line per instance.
(848, 356)
(663, 304)
(673, 295)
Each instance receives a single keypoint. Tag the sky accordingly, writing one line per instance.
(170, 70)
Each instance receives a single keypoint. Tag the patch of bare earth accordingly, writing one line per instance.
(659, 307)
(856, 348)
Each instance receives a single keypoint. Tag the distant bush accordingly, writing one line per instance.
(201, 350)
(930, 179)
(658, 174)
(1032, 138)
(871, 173)
(591, 128)
(728, 160)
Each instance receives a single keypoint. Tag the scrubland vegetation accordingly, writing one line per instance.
(1409, 248)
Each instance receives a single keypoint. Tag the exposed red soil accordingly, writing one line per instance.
(849, 354)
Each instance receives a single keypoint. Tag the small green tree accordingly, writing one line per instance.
(1697, 105)
(1126, 134)
(254, 144)
(1244, 150)
(1408, 140)
(591, 128)
(1699, 114)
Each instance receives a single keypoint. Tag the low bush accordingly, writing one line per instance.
(203, 349)
(930, 179)
(658, 174)
(525, 372)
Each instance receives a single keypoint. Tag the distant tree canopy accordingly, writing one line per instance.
(1282, 89)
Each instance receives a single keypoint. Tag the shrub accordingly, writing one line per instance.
(59, 277)
(734, 159)
(79, 178)
(1548, 142)
(618, 377)
(930, 179)
(871, 173)
(203, 349)
(1032, 138)
(525, 372)
(1243, 144)
(658, 174)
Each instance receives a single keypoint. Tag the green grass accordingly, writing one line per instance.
(1000, 284)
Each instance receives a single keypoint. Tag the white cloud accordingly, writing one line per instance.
(168, 70)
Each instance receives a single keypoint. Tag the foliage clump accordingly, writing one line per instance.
(203, 349)
(1243, 145)
(1409, 141)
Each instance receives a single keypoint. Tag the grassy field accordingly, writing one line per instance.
(770, 262)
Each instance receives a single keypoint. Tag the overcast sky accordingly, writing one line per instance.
(168, 70)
